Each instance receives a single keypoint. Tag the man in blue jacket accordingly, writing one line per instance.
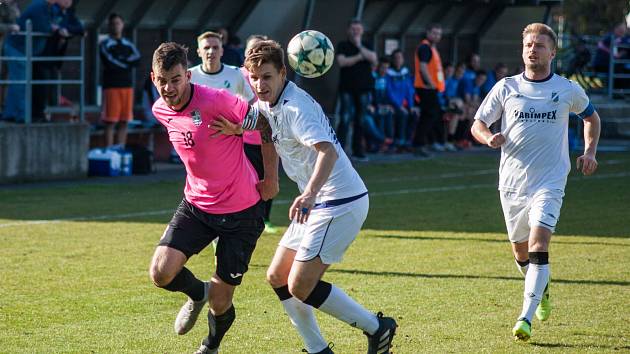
(400, 92)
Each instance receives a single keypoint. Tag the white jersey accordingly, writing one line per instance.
(534, 120)
(298, 122)
(228, 77)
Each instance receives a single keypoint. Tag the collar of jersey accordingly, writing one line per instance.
(207, 73)
(286, 83)
(541, 80)
(192, 93)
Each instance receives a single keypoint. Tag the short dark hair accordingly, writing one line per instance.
(355, 21)
(168, 55)
(433, 25)
(112, 16)
(396, 51)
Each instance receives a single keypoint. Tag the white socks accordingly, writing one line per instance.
(535, 282)
(304, 321)
(522, 266)
(344, 308)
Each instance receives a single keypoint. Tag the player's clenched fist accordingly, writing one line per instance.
(496, 140)
(587, 164)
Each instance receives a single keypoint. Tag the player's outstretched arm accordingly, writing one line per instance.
(326, 159)
(269, 186)
(587, 162)
(251, 122)
(482, 133)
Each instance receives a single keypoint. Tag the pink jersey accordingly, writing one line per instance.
(251, 137)
(219, 178)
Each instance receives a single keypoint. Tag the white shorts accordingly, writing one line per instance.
(328, 232)
(522, 212)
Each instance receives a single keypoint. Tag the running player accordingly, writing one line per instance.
(534, 111)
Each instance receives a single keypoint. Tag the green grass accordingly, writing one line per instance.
(433, 253)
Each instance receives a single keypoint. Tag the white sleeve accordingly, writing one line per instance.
(245, 90)
(311, 127)
(580, 103)
(491, 108)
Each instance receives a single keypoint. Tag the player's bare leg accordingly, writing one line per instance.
(521, 256)
(122, 133)
(167, 271)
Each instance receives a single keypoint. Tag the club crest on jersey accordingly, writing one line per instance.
(555, 97)
(196, 117)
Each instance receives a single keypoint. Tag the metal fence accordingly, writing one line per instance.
(28, 81)
(606, 82)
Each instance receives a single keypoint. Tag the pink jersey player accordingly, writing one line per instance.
(220, 179)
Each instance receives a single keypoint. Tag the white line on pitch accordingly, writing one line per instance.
(286, 201)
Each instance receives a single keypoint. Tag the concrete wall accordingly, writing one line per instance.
(46, 151)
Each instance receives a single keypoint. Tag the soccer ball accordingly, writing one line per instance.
(310, 53)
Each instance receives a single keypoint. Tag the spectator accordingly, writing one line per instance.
(454, 105)
(400, 93)
(471, 91)
(9, 13)
(39, 12)
(231, 54)
(602, 56)
(500, 71)
(118, 56)
(378, 120)
(429, 80)
(65, 25)
(473, 64)
(356, 59)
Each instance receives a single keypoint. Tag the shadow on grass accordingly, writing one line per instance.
(583, 346)
(477, 239)
(467, 276)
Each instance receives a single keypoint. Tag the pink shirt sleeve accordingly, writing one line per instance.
(231, 107)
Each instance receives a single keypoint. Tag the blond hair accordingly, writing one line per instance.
(210, 34)
(541, 28)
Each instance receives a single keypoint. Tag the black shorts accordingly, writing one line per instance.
(191, 230)
(254, 155)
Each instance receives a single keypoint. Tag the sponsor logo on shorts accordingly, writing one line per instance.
(234, 276)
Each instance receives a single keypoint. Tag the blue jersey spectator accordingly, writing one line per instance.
(401, 93)
(378, 119)
(451, 81)
(500, 71)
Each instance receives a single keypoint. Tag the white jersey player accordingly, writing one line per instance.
(534, 110)
(325, 218)
(212, 73)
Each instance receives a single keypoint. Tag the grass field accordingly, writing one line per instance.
(433, 254)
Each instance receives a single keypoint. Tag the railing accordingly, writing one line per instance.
(28, 82)
(610, 75)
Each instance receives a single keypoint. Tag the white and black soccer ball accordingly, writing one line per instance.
(310, 53)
